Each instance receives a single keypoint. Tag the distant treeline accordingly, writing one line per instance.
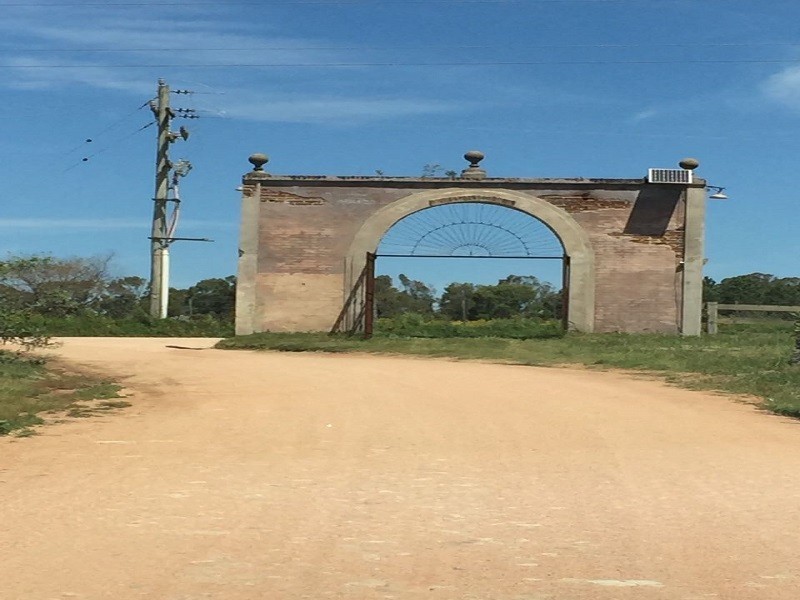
(80, 296)
(67, 288)
(513, 296)
(754, 288)
(527, 297)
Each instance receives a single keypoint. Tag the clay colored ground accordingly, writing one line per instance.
(251, 476)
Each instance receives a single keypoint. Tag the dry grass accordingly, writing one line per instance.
(31, 391)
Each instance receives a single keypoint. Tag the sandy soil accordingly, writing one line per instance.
(241, 475)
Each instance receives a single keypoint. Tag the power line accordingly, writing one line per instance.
(116, 144)
(318, 2)
(410, 64)
(106, 129)
(427, 47)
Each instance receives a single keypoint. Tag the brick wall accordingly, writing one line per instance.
(305, 229)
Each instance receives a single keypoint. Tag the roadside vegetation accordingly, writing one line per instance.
(80, 296)
(419, 326)
(139, 326)
(33, 393)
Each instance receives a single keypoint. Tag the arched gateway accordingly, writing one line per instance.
(634, 247)
(575, 240)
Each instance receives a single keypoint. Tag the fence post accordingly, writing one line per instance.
(712, 312)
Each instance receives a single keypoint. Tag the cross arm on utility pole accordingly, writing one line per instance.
(162, 232)
(159, 251)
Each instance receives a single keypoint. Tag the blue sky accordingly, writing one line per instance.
(573, 88)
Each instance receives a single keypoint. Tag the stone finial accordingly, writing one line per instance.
(258, 161)
(473, 171)
(690, 164)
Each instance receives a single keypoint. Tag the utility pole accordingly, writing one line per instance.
(162, 232)
(159, 246)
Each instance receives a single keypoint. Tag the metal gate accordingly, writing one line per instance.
(358, 313)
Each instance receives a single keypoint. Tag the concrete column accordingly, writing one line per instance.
(248, 259)
(712, 310)
(693, 261)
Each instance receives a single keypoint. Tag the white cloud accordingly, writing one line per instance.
(643, 115)
(113, 54)
(347, 95)
(784, 87)
(314, 108)
(31, 73)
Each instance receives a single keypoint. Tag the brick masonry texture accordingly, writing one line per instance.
(306, 228)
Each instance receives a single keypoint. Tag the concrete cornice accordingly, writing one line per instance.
(446, 182)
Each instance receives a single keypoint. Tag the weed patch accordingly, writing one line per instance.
(32, 391)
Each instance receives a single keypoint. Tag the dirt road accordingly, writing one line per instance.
(251, 476)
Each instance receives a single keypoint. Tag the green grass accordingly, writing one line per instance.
(749, 359)
(31, 390)
(414, 325)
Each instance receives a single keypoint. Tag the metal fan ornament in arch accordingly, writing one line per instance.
(471, 229)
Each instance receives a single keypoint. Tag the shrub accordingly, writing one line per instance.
(18, 327)
(91, 325)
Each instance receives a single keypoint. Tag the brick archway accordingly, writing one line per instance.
(635, 246)
(575, 240)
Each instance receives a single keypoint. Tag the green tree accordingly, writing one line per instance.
(53, 286)
(414, 297)
(457, 302)
(122, 297)
(387, 301)
(745, 289)
(516, 296)
(756, 288)
(513, 296)
(178, 302)
(215, 297)
(710, 290)
(785, 291)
